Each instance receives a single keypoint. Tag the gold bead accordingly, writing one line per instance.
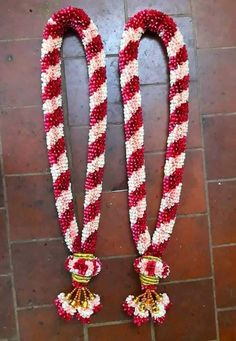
(68, 296)
(155, 309)
(74, 304)
(142, 307)
(85, 304)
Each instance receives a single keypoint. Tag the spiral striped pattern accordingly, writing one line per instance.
(171, 37)
(79, 21)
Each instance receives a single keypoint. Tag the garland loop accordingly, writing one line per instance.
(82, 264)
(150, 267)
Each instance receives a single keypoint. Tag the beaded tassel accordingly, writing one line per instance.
(80, 302)
(149, 303)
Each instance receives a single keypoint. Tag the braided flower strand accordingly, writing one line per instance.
(150, 266)
(82, 264)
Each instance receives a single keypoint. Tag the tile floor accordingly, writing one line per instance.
(202, 251)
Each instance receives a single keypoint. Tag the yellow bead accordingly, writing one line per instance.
(74, 304)
(85, 304)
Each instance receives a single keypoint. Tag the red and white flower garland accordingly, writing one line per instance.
(150, 267)
(82, 263)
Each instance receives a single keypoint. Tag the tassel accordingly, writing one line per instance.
(149, 304)
(80, 303)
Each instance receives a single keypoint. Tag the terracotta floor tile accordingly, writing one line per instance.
(39, 272)
(117, 332)
(106, 14)
(76, 79)
(31, 207)
(227, 325)
(4, 252)
(115, 158)
(44, 324)
(223, 214)
(79, 145)
(28, 131)
(217, 29)
(27, 18)
(188, 252)
(219, 146)
(115, 172)
(115, 282)
(224, 263)
(7, 318)
(156, 113)
(152, 55)
(173, 7)
(192, 315)
(115, 107)
(72, 45)
(192, 198)
(114, 231)
(20, 79)
(217, 74)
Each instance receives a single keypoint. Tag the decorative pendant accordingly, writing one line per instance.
(80, 302)
(149, 303)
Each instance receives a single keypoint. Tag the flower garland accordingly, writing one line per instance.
(82, 264)
(149, 266)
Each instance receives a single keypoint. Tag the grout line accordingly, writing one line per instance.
(18, 39)
(78, 56)
(192, 215)
(190, 280)
(223, 245)
(205, 183)
(7, 274)
(162, 152)
(85, 330)
(126, 10)
(226, 309)
(153, 332)
(118, 257)
(109, 323)
(189, 215)
(40, 240)
(192, 81)
(13, 290)
(4, 107)
(38, 306)
(217, 48)
(220, 180)
(26, 174)
(221, 114)
(117, 191)
(82, 56)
